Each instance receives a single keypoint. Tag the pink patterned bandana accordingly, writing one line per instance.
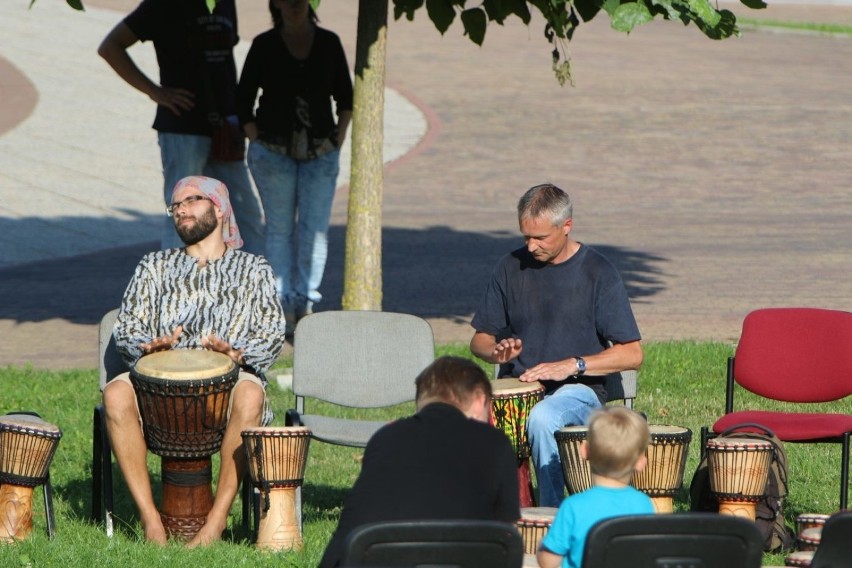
(218, 194)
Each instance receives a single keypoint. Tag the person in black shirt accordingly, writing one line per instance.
(445, 462)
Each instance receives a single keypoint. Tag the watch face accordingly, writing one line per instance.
(581, 365)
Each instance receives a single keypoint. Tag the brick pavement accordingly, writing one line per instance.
(715, 174)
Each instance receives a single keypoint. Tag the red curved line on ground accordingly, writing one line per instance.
(434, 126)
(18, 96)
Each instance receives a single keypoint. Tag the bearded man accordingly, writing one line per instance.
(206, 295)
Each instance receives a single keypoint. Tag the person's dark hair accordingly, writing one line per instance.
(278, 21)
(545, 200)
(452, 379)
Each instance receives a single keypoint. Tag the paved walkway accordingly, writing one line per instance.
(715, 174)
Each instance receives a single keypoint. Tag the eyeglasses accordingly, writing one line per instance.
(188, 201)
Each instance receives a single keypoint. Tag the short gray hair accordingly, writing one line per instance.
(546, 200)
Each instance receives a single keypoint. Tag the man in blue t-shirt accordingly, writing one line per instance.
(556, 311)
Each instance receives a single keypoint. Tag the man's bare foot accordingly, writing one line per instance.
(155, 532)
(209, 533)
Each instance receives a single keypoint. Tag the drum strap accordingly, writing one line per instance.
(187, 478)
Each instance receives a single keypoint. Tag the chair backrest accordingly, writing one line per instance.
(361, 359)
(679, 540)
(835, 548)
(110, 362)
(796, 354)
(450, 543)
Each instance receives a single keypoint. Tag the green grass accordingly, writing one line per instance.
(681, 383)
(828, 29)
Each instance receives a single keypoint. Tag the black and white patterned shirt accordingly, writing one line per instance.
(233, 297)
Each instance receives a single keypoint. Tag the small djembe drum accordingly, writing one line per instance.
(511, 402)
(276, 459)
(663, 476)
(739, 469)
(810, 538)
(809, 521)
(533, 524)
(27, 445)
(575, 469)
(799, 558)
(183, 398)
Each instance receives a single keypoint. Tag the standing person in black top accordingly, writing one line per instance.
(294, 152)
(445, 462)
(197, 88)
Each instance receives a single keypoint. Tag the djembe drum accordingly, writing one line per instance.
(27, 445)
(183, 397)
(809, 521)
(810, 538)
(511, 402)
(533, 524)
(663, 475)
(800, 558)
(575, 469)
(276, 459)
(739, 469)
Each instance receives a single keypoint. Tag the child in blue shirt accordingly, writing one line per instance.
(615, 448)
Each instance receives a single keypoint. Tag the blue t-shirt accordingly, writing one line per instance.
(578, 513)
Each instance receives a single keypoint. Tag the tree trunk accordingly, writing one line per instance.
(362, 276)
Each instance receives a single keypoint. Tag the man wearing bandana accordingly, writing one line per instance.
(205, 295)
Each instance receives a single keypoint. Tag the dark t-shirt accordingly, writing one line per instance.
(195, 52)
(284, 80)
(557, 310)
(437, 464)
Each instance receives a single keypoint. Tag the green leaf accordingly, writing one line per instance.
(496, 10)
(587, 9)
(407, 7)
(76, 4)
(629, 15)
(474, 24)
(610, 6)
(724, 28)
(519, 8)
(442, 14)
(211, 5)
(665, 7)
(705, 12)
(754, 4)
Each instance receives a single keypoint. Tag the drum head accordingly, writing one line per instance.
(663, 430)
(184, 364)
(742, 444)
(27, 422)
(510, 387)
(538, 513)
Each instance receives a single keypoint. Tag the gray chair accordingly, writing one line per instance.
(679, 540)
(442, 543)
(110, 365)
(356, 359)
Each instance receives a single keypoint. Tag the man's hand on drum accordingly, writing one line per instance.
(507, 349)
(213, 343)
(558, 371)
(163, 343)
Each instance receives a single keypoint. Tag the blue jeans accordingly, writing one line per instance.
(188, 155)
(297, 197)
(570, 405)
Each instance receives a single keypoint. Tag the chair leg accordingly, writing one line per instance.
(102, 492)
(48, 508)
(97, 466)
(705, 435)
(247, 492)
(844, 471)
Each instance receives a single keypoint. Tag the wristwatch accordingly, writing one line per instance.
(581, 366)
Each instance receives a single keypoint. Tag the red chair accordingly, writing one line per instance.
(797, 355)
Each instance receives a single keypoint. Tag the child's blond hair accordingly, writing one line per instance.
(617, 438)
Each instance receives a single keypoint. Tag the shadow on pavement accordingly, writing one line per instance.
(431, 272)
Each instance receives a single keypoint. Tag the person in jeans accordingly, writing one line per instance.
(198, 82)
(294, 148)
(556, 311)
